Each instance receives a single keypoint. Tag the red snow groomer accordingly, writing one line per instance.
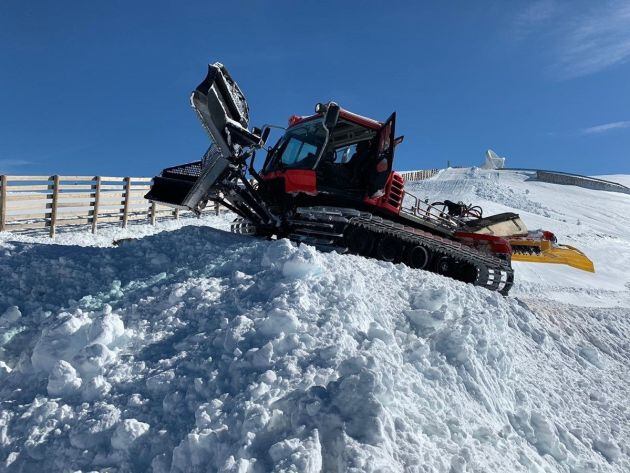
(329, 182)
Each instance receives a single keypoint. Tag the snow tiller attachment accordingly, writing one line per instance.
(539, 246)
(328, 181)
(542, 247)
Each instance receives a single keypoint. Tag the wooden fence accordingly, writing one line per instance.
(31, 202)
(418, 175)
(28, 202)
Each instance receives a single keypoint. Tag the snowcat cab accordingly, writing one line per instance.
(332, 156)
(329, 182)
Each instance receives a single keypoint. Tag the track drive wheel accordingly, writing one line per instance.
(417, 257)
(389, 249)
(445, 266)
(359, 241)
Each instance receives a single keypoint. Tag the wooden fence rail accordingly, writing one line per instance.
(28, 202)
(418, 175)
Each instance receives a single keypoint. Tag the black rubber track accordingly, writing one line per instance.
(327, 228)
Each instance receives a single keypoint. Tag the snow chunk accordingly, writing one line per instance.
(127, 432)
(161, 382)
(4, 369)
(301, 264)
(63, 379)
(10, 316)
(277, 253)
(96, 388)
(91, 360)
(279, 321)
(60, 341)
(429, 311)
(94, 427)
(72, 334)
(298, 455)
(106, 330)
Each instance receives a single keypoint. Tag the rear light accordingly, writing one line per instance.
(294, 120)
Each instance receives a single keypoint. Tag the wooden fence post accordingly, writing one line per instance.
(153, 206)
(53, 210)
(3, 202)
(216, 208)
(127, 199)
(97, 198)
(176, 214)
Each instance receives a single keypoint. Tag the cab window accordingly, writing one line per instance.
(344, 154)
(297, 152)
(298, 148)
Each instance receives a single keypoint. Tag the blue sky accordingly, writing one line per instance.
(102, 87)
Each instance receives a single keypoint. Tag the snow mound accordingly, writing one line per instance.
(197, 350)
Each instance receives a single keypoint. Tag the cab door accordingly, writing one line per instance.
(382, 165)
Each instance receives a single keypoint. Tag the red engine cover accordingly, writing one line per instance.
(393, 197)
(495, 244)
(296, 180)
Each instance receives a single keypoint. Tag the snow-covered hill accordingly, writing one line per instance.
(597, 222)
(197, 350)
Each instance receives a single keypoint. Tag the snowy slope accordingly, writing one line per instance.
(197, 350)
(597, 222)
(623, 179)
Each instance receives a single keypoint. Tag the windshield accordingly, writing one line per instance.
(299, 147)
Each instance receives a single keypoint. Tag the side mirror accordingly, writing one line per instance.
(332, 116)
(264, 136)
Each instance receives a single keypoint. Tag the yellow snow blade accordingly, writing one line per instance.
(544, 251)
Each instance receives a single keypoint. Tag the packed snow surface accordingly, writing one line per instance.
(194, 349)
